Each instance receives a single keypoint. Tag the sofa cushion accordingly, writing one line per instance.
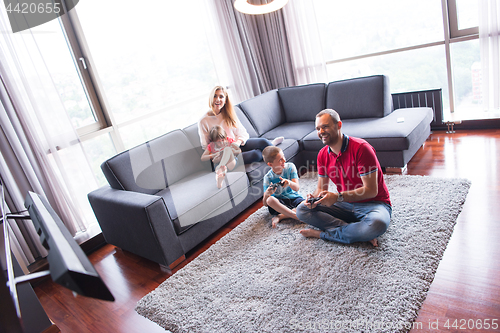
(196, 198)
(245, 122)
(155, 164)
(192, 134)
(302, 103)
(384, 134)
(264, 111)
(119, 174)
(366, 97)
(295, 131)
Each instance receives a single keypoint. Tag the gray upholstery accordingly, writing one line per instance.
(264, 111)
(137, 222)
(245, 122)
(384, 134)
(367, 97)
(295, 131)
(162, 201)
(302, 103)
(196, 198)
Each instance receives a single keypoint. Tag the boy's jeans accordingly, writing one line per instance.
(348, 222)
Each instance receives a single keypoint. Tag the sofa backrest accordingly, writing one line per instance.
(155, 164)
(192, 134)
(302, 103)
(365, 97)
(245, 122)
(264, 111)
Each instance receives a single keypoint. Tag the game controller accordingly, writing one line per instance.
(313, 200)
(275, 185)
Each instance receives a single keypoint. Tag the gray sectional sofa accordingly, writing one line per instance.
(162, 201)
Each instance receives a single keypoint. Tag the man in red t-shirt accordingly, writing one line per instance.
(360, 210)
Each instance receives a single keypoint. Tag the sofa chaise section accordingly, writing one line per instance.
(162, 199)
(366, 110)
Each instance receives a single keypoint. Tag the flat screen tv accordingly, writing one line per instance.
(68, 264)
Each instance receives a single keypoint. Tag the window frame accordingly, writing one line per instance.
(455, 32)
(451, 35)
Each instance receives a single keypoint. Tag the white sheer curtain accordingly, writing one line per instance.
(489, 40)
(38, 137)
(223, 25)
(255, 49)
(304, 42)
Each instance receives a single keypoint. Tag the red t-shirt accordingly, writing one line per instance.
(356, 158)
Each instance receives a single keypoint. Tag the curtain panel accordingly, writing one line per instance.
(256, 48)
(489, 43)
(37, 137)
(304, 42)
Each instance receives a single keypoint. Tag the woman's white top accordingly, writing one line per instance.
(210, 120)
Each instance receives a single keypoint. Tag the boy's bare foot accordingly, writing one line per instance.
(374, 242)
(310, 233)
(277, 219)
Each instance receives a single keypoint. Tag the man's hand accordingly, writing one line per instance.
(328, 198)
(309, 203)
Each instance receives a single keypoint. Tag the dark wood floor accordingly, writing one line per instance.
(466, 288)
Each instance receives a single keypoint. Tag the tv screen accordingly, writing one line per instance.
(68, 264)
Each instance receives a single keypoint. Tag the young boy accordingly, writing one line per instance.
(281, 200)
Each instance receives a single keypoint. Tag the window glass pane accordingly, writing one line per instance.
(466, 62)
(415, 70)
(468, 14)
(60, 65)
(164, 122)
(148, 55)
(79, 181)
(98, 150)
(351, 28)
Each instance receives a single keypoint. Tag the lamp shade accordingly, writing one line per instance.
(245, 7)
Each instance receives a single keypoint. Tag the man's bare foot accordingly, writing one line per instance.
(374, 242)
(310, 233)
(277, 219)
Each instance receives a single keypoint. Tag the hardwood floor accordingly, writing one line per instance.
(466, 285)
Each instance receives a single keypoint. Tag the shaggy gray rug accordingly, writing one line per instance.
(260, 279)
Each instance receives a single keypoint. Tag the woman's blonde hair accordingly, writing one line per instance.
(228, 113)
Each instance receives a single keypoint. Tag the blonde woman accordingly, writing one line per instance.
(222, 113)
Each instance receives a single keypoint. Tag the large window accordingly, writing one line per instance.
(147, 68)
(152, 63)
(419, 44)
(126, 72)
(354, 28)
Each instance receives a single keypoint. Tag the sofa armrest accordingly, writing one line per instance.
(136, 222)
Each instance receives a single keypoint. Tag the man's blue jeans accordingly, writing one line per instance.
(348, 222)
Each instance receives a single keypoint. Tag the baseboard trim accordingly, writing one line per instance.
(396, 170)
